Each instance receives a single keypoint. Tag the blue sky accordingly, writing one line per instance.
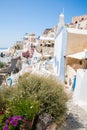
(18, 17)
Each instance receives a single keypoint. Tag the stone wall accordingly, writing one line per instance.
(76, 43)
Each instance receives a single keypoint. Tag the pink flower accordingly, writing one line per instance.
(6, 127)
(25, 120)
(7, 122)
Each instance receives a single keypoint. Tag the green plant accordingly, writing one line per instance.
(8, 92)
(48, 91)
(2, 110)
(2, 105)
(24, 107)
(1, 64)
(18, 112)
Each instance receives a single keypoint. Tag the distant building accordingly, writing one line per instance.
(47, 39)
(77, 19)
(18, 45)
(29, 40)
(46, 31)
(79, 22)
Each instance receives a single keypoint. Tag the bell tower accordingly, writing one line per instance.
(61, 20)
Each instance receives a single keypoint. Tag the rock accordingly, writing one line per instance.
(53, 126)
(44, 120)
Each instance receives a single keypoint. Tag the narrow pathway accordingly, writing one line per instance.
(76, 118)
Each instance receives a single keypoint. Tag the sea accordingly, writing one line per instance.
(3, 49)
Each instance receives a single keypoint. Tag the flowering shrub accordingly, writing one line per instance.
(48, 91)
(19, 113)
(15, 123)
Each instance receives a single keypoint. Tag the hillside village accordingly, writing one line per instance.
(60, 51)
(56, 50)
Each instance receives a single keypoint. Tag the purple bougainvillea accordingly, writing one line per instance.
(15, 122)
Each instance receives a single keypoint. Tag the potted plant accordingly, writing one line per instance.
(21, 112)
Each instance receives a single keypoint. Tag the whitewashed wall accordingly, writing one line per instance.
(59, 52)
(80, 92)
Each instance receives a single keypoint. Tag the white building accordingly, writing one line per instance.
(47, 38)
(67, 42)
(60, 48)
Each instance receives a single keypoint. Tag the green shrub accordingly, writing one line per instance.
(16, 105)
(8, 92)
(2, 104)
(48, 91)
(1, 64)
(24, 107)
